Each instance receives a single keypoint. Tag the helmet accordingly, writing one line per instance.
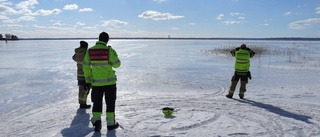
(167, 111)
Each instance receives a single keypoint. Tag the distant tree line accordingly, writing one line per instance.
(8, 37)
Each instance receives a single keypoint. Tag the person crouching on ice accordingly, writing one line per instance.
(83, 91)
(242, 65)
(98, 71)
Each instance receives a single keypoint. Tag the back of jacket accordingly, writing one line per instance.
(98, 65)
(242, 63)
(79, 57)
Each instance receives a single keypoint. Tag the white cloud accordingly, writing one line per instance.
(27, 18)
(5, 2)
(43, 12)
(91, 28)
(114, 23)
(160, 1)
(237, 18)
(266, 24)
(25, 12)
(85, 10)
(236, 14)
(2, 17)
(12, 25)
(302, 24)
(287, 13)
(24, 8)
(27, 4)
(267, 20)
(11, 21)
(57, 24)
(318, 10)
(39, 27)
(219, 17)
(231, 22)
(5, 10)
(71, 7)
(154, 15)
(80, 24)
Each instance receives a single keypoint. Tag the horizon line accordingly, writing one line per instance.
(188, 38)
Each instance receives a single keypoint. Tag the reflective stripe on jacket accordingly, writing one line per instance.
(98, 65)
(242, 63)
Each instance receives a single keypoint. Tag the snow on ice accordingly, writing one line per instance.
(39, 90)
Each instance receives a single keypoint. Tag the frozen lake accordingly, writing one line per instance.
(38, 79)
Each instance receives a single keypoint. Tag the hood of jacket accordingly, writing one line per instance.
(80, 50)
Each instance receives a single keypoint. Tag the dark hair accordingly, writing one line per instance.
(104, 36)
(83, 44)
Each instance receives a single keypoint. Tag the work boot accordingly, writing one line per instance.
(241, 95)
(242, 89)
(97, 125)
(85, 106)
(116, 125)
(229, 95)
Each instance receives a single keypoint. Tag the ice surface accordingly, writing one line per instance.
(39, 90)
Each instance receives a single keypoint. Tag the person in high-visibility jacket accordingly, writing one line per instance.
(242, 65)
(99, 74)
(78, 57)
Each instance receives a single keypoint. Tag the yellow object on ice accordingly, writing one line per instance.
(167, 111)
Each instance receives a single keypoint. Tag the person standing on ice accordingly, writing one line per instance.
(83, 91)
(242, 65)
(98, 70)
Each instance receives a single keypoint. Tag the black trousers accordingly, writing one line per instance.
(110, 94)
(243, 76)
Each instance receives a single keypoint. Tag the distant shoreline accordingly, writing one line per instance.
(147, 38)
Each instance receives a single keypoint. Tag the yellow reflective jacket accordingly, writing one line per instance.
(98, 65)
(78, 57)
(242, 63)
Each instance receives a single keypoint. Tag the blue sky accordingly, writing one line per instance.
(160, 18)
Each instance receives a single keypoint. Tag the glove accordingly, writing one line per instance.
(233, 52)
(87, 86)
(249, 75)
